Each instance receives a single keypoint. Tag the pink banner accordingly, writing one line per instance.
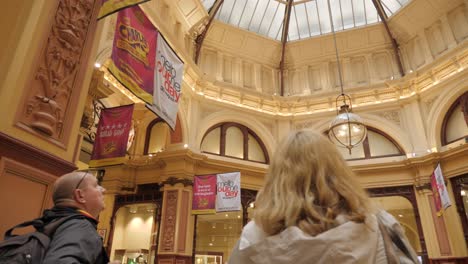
(134, 52)
(110, 145)
(204, 194)
(441, 197)
(111, 6)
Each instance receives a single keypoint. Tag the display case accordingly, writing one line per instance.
(209, 258)
(132, 256)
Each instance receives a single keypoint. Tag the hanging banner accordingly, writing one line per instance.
(441, 197)
(228, 192)
(204, 194)
(134, 52)
(167, 83)
(109, 7)
(111, 141)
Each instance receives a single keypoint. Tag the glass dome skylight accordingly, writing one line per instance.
(308, 17)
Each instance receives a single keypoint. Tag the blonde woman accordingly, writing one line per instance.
(311, 209)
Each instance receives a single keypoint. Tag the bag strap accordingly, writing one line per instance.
(39, 225)
(392, 236)
(389, 250)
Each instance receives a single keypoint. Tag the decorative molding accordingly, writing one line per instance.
(17, 150)
(392, 116)
(169, 224)
(173, 181)
(60, 70)
(429, 102)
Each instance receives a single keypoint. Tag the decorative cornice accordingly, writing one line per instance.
(173, 181)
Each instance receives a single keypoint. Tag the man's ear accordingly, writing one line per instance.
(78, 196)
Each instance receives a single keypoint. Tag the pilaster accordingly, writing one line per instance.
(177, 225)
(447, 31)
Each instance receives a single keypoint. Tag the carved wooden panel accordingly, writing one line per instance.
(169, 222)
(183, 221)
(60, 69)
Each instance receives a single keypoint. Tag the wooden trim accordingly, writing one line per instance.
(451, 260)
(22, 152)
(457, 184)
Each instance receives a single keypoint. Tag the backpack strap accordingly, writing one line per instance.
(37, 223)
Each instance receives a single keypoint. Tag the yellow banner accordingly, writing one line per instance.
(109, 7)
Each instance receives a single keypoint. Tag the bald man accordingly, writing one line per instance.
(76, 240)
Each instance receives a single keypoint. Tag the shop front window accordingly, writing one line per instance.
(135, 234)
(216, 236)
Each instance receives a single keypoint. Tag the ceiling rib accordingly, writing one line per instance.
(396, 50)
(284, 38)
(201, 37)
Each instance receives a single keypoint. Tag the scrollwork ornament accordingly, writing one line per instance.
(58, 67)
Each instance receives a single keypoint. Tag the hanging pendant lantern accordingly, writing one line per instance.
(347, 129)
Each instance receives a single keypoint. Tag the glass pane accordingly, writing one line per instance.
(456, 125)
(255, 151)
(356, 153)
(234, 142)
(380, 145)
(347, 13)
(216, 236)
(158, 137)
(464, 195)
(211, 142)
(313, 18)
(371, 13)
(403, 211)
(359, 14)
(134, 233)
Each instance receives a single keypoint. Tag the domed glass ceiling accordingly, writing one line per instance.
(308, 17)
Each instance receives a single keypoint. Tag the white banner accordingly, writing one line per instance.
(228, 193)
(444, 197)
(167, 83)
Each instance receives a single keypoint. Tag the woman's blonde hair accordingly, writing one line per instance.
(307, 185)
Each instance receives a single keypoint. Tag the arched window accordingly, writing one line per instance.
(159, 135)
(455, 124)
(235, 141)
(376, 145)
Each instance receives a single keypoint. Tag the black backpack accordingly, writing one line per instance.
(30, 248)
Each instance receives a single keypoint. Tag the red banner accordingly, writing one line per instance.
(111, 6)
(134, 52)
(110, 145)
(204, 194)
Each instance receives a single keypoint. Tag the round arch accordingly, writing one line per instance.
(440, 107)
